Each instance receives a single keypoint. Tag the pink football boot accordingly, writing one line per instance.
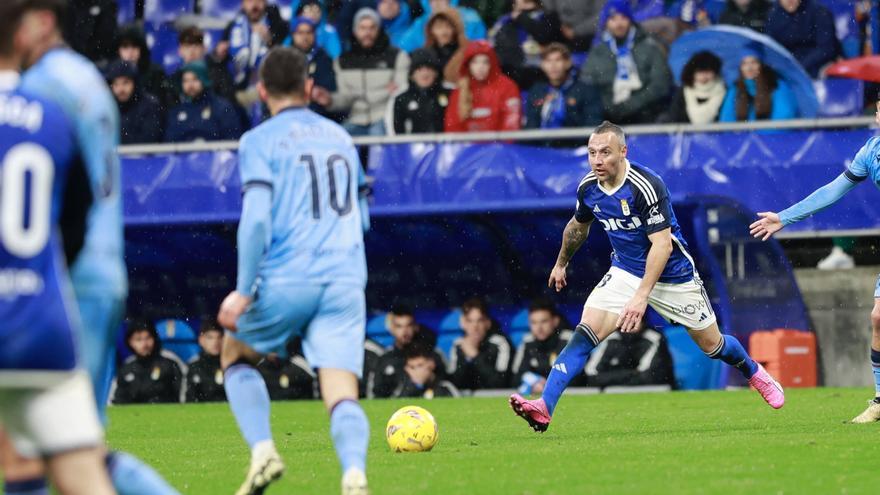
(533, 411)
(769, 388)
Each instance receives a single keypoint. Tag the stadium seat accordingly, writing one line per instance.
(178, 337)
(518, 327)
(159, 11)
(693, 369)
(162, 41)
(378, 332)
(125, 11)
(839, 97)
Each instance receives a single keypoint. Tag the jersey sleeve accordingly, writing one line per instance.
(652, 202)
(582, 212)
(859, 169)
(253, 164)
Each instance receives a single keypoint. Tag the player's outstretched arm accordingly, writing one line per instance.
(821, 198)
(573, 237)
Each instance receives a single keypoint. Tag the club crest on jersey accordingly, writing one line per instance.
(624, 206)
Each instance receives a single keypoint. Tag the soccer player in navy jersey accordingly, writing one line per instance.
(650, 265)
(865, 165)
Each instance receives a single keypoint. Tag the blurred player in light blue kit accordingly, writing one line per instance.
(46, 403)
(99, 276)
(301, 270)
(865, 165)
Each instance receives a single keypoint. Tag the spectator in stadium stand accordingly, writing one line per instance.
(291, 378)
(90, 29)
(389, 372)
(420, 376)
(204, 378)
(140, 114)
(485, 99)
(746, 13)
(518, 38)
(422, 107)
(630, 359)
(629, 68)
(446, 41)
(539, 348)
(562, 101)
(344, 18)
(806, 29)
(191, 48)
(326, 36)
(132, 47)
(758, 94)
(245, 41)
(201, 115)
(699, 99)
(579, 20)
(396, 18)
(474, 29)
(302, 33)
(479, 359)
(151, 374)
(368, 76)
(372, 352)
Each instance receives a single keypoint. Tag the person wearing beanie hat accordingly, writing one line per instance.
(302, 36)
(150, 375)
(628, 67)
(132, 47)
(699, 99)
(367, 76)
(758, 93)
(201, 115)
(422, 107)
(140, 114)
(326, 36)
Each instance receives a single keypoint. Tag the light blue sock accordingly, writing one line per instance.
(569, 364)
(36, 486)
(730, 351)
(875, 366)
(351, 434)
(249, 400)
(130, 476)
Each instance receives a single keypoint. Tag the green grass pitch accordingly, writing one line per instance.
(681, 443)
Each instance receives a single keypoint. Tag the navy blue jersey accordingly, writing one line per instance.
(629, 214)
(38, 155)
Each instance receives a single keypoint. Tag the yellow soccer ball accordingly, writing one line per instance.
(412, 429)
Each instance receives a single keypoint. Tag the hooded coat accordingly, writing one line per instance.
(495, 103)
(157, 378)
(414, 38)
(151, 76)
(449, 57)
(644, 104)
(363, 76)
(419, 110)
(140, 118)
(326, 36)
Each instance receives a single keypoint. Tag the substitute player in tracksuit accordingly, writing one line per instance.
(865, 165)
(650, 265)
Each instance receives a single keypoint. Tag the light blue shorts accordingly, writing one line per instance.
(331, 319)
(101, 319)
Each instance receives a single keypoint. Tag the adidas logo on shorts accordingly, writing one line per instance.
(560, 367)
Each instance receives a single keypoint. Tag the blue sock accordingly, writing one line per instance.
(569, 364)
(730, 351)
(36, 486)
(875, 366)
(351, 434)
(249, 401)
(130, 476)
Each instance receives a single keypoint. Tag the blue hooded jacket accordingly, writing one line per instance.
(326, 36)
(414, 38)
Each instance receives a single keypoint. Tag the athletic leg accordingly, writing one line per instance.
(349, 427)
(80, 472)
(872, 413)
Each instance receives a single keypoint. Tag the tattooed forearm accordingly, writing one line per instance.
(572, 239)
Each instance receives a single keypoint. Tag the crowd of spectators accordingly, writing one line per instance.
(417, 66)
(481, 357)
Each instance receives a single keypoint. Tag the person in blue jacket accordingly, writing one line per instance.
(806, 29)
(327, 37)
(302, 32)
(396, 18)
(414, 38)
(758, 94)
(201, 115)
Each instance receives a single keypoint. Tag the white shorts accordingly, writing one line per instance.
(686, 304)
(53, 419)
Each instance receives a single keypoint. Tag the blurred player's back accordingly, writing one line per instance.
(314, 172)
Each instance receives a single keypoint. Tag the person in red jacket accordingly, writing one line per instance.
(485, 100)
